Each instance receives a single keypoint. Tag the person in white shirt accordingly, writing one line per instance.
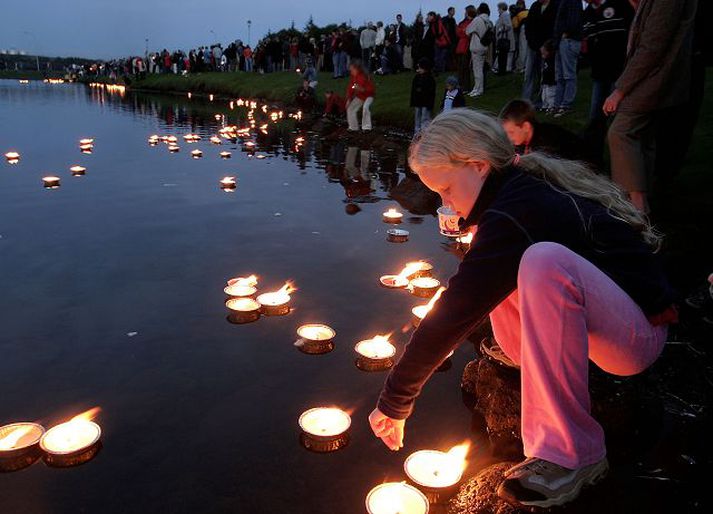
(478, 31)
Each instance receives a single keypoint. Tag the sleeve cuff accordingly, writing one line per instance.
(393, 413)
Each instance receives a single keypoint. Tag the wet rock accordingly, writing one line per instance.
(415, 197)
(478, 495)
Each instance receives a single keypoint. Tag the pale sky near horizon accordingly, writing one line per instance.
(116, 28)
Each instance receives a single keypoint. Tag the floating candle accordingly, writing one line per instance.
(216, 140)
(243, 281)
(325, 429)
(171, 139)
(50, 182)
(196, 154)
(402, 279)
(242, 310)
(465, 239)
(173, 148)
(78, 171)
(419, 312)
(72, 442)
(276, 303)
(397, 235)
(396, 498)
(225, 155)
(12, 157)
(228, 183)
(436, 473)
(260, 156)
(86, 141)
(425, 287)
(18, 438)
(392, 216)
(375, 354)
(315, 338)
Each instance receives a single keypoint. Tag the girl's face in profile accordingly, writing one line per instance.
(457, 184)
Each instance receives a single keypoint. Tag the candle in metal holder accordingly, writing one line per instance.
(196, 154)
(228, 183)
(437, 473)
(424, 287)
(191, 138)
(17, 439)
(396, 498)
(315, 338)
(324, 429)
(216, 140)
(51, 182)
(86, 141)
(72, 443)
(173, 148)
(402, 279)
(276, 303)
(12, 157)
(392, 216)
(397, 235)
(78, 171)
(225, 155)
(424, 269)
(375, 354)
(242, 310)
(241, 287)
(465, 239)
(419, 312)
(260, 156)
(171, 139)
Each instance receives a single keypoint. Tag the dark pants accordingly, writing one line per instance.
(533, 74)
(464, 71)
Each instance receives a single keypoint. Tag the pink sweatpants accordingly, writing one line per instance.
(564, 312)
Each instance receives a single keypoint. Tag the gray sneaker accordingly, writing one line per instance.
(491, 349)
(539, 483)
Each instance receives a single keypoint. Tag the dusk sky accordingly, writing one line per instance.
(106, 29)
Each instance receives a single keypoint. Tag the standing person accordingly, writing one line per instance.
(568, 271)
(367, 40)
(449, 22)
(379, 41)
(606, 32)
(504, 39)
(568, 41)
(359, 97)
(436, 41)
(453, 96)
(656, 77)
(417, 38)
(339, 55)
(518, 25)
(549, 82)
(248, 56)
(423, 95)
(463, 49)
(539, 26)
(400, 40)
(480, 32)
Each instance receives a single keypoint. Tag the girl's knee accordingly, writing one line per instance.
(540, 263)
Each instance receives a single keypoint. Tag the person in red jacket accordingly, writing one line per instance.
(463, 49)
(359, 96)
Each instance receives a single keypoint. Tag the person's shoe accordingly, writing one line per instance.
(490, 349)
(562, 111)
(539, 483)
(474, 94)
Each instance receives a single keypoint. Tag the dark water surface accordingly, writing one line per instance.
(198, 415)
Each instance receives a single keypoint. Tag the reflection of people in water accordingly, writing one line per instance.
(305, 98)
(356, 181)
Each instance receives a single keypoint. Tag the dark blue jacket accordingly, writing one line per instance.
(515, 210)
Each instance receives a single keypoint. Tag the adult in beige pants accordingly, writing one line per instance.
(476, 30)
(656, 78)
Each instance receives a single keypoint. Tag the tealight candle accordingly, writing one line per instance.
(397, 235)
(424, 287)
(276, 303)
(17, 439)
(324, 429)
(260, 156)
(86, 141)
(240, 290)
(375, 354)
(51, 182)
(78, 171)
(396, 498)
(465, 239)
(216, 140)
(73, 442)
(249, 144)
(173, 148)
(436, 473)
(196, 154)
(242, 310)
(172, 139)
(315, 338)
(419, 312)
(228, 183)
(12, 157)
(392, 216)
(225, 155)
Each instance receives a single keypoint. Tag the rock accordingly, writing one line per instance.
(415, 197)
(478, 494)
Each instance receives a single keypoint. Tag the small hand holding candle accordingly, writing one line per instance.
(389, 430)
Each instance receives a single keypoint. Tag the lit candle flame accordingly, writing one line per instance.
(465, 239)
(410, 269)
(10, 440)
(457, 456)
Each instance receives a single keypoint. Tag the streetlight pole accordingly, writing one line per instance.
(249, 24)
(37, 56)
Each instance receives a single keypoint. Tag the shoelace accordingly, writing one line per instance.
(535, 465)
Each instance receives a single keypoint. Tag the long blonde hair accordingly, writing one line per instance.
(462, 135)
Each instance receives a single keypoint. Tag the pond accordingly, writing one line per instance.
(112, 296)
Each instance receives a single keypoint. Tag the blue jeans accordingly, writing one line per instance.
(422, 117)
(340, 64)
(566, 72)
(601, 89)
(531, 85)
(400, 51)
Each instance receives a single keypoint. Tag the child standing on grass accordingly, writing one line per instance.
(549, 84)
(423, 95)
(453, 96)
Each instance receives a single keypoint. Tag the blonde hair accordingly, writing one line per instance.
(463, 135)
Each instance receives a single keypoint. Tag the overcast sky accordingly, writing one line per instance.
(116, 28)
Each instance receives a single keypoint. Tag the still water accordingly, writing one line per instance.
(111, 295)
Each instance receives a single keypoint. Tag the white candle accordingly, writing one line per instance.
(392, 216)
(196, 154)
(239, 290)
(435, 469)
(242, 305)
(16, 437)
(86, 141)
(316, 332)
(77, 170)
(378, 347)
(325, 421)
(70, 437)
(215, 140)
(396, 498)
(12, 157)
(225, 155)
(51, 181)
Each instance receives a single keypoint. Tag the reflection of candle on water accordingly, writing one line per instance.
(419, 312)
(74, 436)
(396, 498)
(392, 216)
(434, 469)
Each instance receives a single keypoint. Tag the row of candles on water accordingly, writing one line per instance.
(86, 145)
(434, 474)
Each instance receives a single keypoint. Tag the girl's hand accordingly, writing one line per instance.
(389, 430)
(611, 104)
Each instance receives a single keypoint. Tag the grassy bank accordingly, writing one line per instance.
(30, 74)
(391, 105)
